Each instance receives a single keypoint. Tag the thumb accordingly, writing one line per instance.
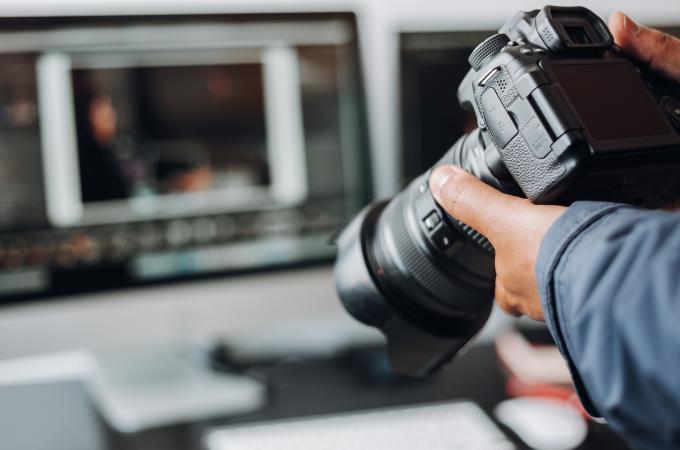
(473, 202)
(655, 48)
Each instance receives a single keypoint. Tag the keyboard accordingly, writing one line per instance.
(442, 426)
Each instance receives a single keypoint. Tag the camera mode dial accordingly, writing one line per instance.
(490, 46)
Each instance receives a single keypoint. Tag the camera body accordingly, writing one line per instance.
(570, 117)
(562, 115)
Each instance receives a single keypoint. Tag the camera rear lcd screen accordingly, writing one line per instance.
(611, 100)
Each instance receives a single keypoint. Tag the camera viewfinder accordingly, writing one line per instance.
(576, 29)
(578, 35)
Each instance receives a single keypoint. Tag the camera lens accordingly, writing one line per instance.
(408, 268)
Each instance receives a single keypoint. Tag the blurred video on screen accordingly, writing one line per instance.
(149, 131)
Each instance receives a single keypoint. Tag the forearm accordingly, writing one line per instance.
(609, 279)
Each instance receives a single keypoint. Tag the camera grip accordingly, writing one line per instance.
(535, 176)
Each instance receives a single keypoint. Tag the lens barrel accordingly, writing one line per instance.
(422, 277)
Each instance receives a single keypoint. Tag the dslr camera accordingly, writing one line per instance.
(562, 115)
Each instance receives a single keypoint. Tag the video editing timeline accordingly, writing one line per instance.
(146, 147)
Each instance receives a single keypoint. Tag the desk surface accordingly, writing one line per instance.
(59, 416)
(353, 382)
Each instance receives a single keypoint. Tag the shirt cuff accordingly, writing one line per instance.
(577, 219)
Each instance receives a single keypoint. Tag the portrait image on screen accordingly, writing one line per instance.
(151, 131)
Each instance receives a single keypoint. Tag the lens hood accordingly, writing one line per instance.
(413, 349)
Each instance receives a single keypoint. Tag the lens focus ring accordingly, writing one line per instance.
(478, 238)
(423, 269)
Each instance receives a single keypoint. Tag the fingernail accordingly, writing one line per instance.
(629, 25)
(439, 177)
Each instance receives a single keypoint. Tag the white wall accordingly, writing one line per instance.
(246, 308)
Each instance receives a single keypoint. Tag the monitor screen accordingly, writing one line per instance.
(134, 142)
(432, 65)
(22, 199)
(151, 148)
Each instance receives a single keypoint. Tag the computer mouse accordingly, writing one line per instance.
(542, 423)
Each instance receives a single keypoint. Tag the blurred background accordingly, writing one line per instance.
(172, 174)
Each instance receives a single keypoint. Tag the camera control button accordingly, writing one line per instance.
(497, 119)
(491, 46)
(432, 220)
(537, 137)
(445, 241)
(671, 109)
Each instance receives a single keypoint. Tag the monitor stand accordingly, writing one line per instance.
(159, 386)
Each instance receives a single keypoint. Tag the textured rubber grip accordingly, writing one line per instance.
(535, 176)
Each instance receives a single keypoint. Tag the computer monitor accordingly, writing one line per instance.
(431, 66)
(138, 149)
(144, 149)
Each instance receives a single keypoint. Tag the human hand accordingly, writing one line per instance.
(514, 226)
(657, 49)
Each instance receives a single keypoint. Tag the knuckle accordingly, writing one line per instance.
(663, 45)
(662, 39)
(501, 295)
(508, 308)
(506, 301)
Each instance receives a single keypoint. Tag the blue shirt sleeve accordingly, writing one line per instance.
(609, 279)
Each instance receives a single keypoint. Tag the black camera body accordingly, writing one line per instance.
(569, 116)
(562, 115)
